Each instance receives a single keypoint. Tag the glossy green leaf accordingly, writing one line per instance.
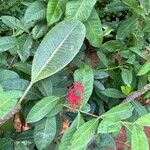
(84, 134)
(122, 111)
(66, 139)
(7, 43)
(94, 32)
(114, 93)
(126, 27)
(86, 77)
(25, 44)
(127, 76)
(44, 132)
(109, 125)
(13, 23)
(126, 89)
(42, 108)
(139, 140)
(144, 120)
(39, 31)
(48, 58)
(35, 12)
(7, 101)
(55, 9)
(144, 69)
(78, 9)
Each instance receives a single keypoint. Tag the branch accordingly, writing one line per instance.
(137, 93)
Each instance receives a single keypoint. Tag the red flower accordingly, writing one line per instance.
(75, 94)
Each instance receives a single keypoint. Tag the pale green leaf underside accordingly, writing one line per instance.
(57, 49)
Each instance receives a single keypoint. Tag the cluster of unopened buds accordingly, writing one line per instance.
(75, 95)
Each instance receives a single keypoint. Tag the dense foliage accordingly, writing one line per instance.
(69, 72)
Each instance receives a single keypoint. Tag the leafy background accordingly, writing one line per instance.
(46, 46)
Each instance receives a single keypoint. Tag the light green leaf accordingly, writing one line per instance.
(20, 146)
(42, 108)
(39, 30)
(8, 100)
(6, 143)
(35, 12)
(145, 5)
(109, 125)
(127, 26)
(7, 43)
(144, 69)
(84, 134)
(139, 140)
(111, 92)
(103, 58)
(55, 10)
(57, 49)
(126, 76)
(85, 75)
(122, 111)
(25, 44)
(13, 23)
(79, 9)
(94, 32)
(44, 132)
(66, 139)
(144, 120)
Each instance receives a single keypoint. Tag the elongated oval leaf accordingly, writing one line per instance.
(84, 134)
(126, 76)
(44, 132)
(7, 43)
(144, 69)
(66, 139)
(114, 93)
(122, 111)
(139, 140)
(57, 49)
(55, 10)
(13, 23)
(35, 12)
(8, 100)
(85, 75)
(94, 31)
(80, 10)
(42, 108)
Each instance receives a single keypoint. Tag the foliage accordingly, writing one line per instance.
(48, 47)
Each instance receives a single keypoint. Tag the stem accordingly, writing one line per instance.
(25, 92)
(83, 112)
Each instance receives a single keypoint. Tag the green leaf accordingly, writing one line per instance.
(45, 86)
(20, 146)
(145, 5)
(144, 120)
(7, 43)
(13, 23)
(86, 77)
(139, 140)
(140, 109)
(6, 143)
(42, 108)
(39, 31)
(44, 132)
(35, 12)
(111, 92)
(94, 32)
(84, 134)
(55, 9)
(126, 76)
(79, 9)
(144, 69)
(122, 111)
(109, 125)
(103, 58)
(67, 137)
(126, 89)
(65, 39)
(25, 44)
(127, 26)
(8, 100)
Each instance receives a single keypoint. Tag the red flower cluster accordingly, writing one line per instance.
(75, 94)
